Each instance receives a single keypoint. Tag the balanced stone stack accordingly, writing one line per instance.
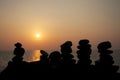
(18, 52)
(67, 59)
(105, 62)
(83, 55)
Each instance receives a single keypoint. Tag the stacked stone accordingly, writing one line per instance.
(67, 59)
(18, 52)
(55, 60)
(83, 53)
(66, 51)
(105, 63)
(44, 57)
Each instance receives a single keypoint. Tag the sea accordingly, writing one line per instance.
(34, 55)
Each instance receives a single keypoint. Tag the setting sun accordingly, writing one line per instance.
(38, 35)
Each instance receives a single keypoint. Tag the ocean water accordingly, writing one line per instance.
(29, 56)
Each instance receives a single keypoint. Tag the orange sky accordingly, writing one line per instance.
(58, 21)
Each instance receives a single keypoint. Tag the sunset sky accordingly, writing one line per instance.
(58, 21)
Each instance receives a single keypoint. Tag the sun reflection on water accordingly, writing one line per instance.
(36, 55)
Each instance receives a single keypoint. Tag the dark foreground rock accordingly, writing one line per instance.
(62, 65)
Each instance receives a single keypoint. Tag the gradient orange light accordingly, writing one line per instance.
(38, 35)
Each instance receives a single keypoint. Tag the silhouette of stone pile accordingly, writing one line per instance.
(66, 51)
(83, 55)
(44, 57)
(16, 66)
(67, 59)
(63, 65)
(18, 52)
(105, 62)
(55, 60)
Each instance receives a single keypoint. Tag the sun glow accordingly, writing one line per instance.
(38, 35)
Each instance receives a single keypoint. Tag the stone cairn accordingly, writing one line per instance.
(18, 52)
(55, 60)
(17, 67)
(105, 62)
(67, 59)
(83, 54)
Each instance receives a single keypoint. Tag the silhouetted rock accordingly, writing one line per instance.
(44, 57)
(63, 65)
(83, 54)
(44, 61)
(19, 51)
(67, 59)
(105, 63)
(55, 61)
(16, 67)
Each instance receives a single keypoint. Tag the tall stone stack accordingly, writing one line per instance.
(66, 51)
(67, 59)
(105, 62)
(17, 68)
(18, 52)
(83, 55)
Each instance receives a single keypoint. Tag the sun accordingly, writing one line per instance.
(38, 35)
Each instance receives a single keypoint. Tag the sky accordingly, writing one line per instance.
(58, 21)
